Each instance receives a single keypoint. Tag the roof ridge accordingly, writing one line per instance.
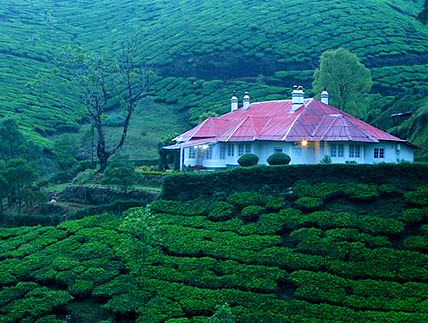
(346, 126)
(361, 129)
(319, 125)
(236, 129)
(331, 125)
(292, 125)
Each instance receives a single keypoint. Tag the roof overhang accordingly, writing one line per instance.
(191, 143)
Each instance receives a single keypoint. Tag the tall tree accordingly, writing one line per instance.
(423, 15)
(13, 143)
(106, 81)
(19, 174)
(344, 76)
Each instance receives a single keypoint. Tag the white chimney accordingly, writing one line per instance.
(246, 101)
(324, 96)
(297, 97)
(234, 102)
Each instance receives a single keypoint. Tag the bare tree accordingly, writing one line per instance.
(101, 80)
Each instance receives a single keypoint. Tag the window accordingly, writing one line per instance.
(222, 152)
(248, 148)
(340, 150)
(379, 153)
(354, 151)
(210, 153)
(192, 154)
(231, 150)
(357, 151)
(277, 150)
(333, 150)
(240, 149)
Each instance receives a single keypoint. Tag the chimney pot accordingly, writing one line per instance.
(234, 102)
(324, 96)
(297, 97)
(246, 101)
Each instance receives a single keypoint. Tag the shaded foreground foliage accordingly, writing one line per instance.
(317, 252)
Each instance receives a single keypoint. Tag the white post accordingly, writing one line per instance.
(181, 157)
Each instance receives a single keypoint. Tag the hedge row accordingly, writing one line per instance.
(390, 296)
(192, 186)
(330, 220)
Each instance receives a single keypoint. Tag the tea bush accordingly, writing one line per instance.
(248, 247)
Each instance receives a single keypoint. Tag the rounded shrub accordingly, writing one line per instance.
(309, 203)
(418, 197)
(279, 159)
(221, 211)
(252, 213)
(248, 160)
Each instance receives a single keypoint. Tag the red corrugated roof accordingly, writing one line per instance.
(275, 121)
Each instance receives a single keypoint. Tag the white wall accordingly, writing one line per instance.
(313, 153)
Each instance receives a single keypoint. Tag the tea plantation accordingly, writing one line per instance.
(280, 249)
(201, 50)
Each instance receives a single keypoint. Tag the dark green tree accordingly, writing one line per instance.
(13, 144)
(345, 77)
(4, 187)
(423, 15)
(19, 174)
(65, 150)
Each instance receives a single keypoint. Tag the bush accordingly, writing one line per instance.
(411, 216)
(418, 197)
(221, 211)
(361, 192)
(248, 160)
(251, 213)
(244, 199)
(309, 203)
(279, 159)
(190, 186)
(326, 160)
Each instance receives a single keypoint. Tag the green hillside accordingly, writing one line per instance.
(275, 250)
(200, 50)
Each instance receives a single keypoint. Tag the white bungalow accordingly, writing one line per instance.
(306, 129)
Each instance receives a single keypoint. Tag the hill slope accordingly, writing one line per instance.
(321, 252)
(204, 40)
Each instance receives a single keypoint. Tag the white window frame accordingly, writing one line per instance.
(340, 150)
(222, 152)
(241, 148)
(209, 153)
(354, 151)
(333, 150)
(379, 153)
(248, 148)
(357, 151)
(231, 150)
(192, 153)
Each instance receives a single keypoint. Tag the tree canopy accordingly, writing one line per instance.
(423, 15)
(347, 80)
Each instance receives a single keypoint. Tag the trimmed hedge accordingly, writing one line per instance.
(191, 186)
(248, 160)
(279, 159)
